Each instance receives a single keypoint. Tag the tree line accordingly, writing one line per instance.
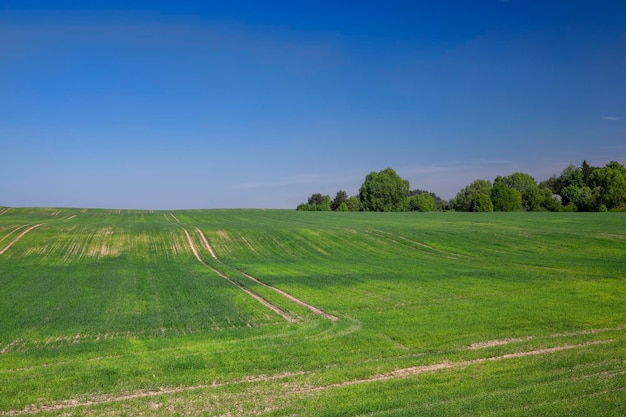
(576, 188)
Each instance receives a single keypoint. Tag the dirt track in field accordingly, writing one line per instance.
(18, 237)
(313, 309)
(235, 283)
(206, 244)
(291, 388)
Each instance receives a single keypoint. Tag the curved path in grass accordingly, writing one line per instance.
(241, 287)
(19, 237)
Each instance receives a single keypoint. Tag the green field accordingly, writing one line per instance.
(286, 313)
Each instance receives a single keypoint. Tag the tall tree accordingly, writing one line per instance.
(354, 204)
(586, 170)
(316, 199)
(505, 198)
(610, 185)
(340, 198)
(474, 197)
(528, 188)
(384, 191)
(422, 202)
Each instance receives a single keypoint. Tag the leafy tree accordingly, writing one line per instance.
(481, 203)
(317, 202)
(586, 170)
(316, 199)
(549, 201)
(422, 202)
(354, 204)
(505, 198)
(581, 197)
(340, 198)
(440, 204)
(384, 191)
(528, 188)
(553, 184)
(474, 197)
(610, 185)
(572, 175)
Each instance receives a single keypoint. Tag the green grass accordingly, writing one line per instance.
(108, 312)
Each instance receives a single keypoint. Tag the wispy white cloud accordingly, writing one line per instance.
(612, 118)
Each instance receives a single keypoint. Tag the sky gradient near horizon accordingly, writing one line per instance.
(249, 104)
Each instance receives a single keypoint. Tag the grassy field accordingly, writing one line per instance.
(286, 313)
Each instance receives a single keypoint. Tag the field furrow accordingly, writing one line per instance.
(18, 237)
(292, 386)
(269, 312)
(238, 285)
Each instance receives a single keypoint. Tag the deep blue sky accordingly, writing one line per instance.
(175, 104)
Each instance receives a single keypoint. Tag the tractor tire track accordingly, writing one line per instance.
(12, 231)
(416, 370)
(291, 388)
(19, 237)
(426, 248)
(238, 285)
(313, 309)
(206, 244)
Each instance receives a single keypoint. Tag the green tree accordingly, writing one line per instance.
(384, 191)
(587, 170)
(609, 185)
(474, 197)
(316, 199)
(582, 197)
(440, 204)
(354, 204)
(481, 203)
(422, 202)
(340, 198)
(317, 202)
(549, 201)
(528, 188)
(505, 198)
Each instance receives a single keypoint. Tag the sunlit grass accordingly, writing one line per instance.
(110, 308)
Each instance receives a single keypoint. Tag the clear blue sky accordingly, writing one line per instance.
(225, 104)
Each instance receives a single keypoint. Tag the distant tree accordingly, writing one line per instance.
(316, 199)
(586, 170)
(550, 201)
(440, 204)
(553, 184)
(384, 191)
(572, 175)
(505, 198)
(354, 204)
(340, 198)
(609, 185)
(474, 197)
(422, 202)
(528, 188)
(481, 203)
(317, 202)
